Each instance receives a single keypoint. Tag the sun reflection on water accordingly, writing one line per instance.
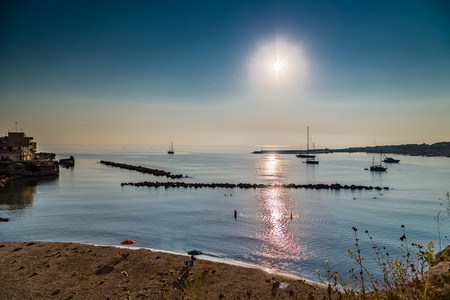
(276, 214)
(272, 168)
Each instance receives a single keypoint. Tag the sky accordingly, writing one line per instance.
(255, 73)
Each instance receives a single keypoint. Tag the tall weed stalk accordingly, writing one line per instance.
(403, 277)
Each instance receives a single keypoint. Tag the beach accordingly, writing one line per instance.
(43, 270)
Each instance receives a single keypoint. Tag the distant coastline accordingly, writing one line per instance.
(436, 149)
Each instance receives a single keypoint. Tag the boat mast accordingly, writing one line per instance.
(307, 140)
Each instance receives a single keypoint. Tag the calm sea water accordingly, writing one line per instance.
(87, 204)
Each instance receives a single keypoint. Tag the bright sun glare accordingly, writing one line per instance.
(278, 66)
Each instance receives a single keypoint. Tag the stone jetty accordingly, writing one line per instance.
(145, 170)
(335, 186)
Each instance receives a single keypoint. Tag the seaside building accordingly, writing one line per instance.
(17, 147)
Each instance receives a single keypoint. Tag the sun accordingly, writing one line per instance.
(278, 66)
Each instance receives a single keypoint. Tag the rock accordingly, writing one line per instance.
(178, 184)
(12, 170)
(144, 170)
(67, 162)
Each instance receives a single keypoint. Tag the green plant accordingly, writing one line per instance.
(429, 258)
(336, 283)
(358, 261)
(404, 277)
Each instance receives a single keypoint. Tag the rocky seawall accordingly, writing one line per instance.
(335, 186)
(144, 170)
(10, 170)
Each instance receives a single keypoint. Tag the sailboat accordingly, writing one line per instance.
(170, 149)
(307, 155)
(311, 159)
(379, 168)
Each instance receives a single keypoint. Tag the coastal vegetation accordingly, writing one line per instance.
(436, 149)
(416, 274)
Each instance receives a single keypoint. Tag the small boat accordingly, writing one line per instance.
(390, 160)
(170, 149)
(312, 161)
(378, 168)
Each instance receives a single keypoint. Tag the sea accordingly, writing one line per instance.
(280, 230)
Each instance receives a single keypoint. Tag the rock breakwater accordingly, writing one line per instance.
(10, 170)
(145, 170)
(335, 186)
(67, 162)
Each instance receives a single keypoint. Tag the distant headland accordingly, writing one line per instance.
(436, 149)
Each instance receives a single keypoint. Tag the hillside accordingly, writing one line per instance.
(436, 149)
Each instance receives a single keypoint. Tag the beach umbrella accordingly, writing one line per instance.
(194, 252)
(128, 242)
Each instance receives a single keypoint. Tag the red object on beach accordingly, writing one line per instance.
(128, 242)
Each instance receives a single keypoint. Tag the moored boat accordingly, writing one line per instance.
(170, 149)
(390, 160)
(310, 158)
(312, 161)
(378, 168)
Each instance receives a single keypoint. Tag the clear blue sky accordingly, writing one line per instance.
(226, 72)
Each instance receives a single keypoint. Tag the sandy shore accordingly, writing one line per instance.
(40, 270)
